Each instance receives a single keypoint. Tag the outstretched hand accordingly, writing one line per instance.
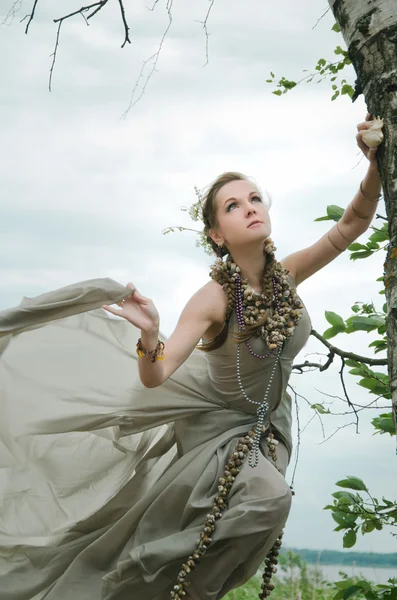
(362, 128)
(137, 309)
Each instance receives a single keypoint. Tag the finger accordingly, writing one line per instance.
(364, 125)
(368, 116)
(140, 299)
(111, 310)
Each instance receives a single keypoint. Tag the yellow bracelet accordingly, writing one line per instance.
(156, 354)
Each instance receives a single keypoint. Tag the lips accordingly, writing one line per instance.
(253, 223)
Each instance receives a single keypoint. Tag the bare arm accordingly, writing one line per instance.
(206, 308)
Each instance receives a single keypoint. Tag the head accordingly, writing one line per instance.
(231, 206)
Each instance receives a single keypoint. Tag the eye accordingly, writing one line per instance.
(231, 205)
(257, 198)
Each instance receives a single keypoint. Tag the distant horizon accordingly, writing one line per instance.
(342, 551)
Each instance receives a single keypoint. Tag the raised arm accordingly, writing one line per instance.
(204, 309)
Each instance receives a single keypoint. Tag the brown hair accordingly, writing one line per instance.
(209, 217)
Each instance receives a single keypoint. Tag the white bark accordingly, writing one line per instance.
(369, 28)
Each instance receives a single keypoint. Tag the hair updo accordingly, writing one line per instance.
(209, 206)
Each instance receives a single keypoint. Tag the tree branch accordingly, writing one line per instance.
(126, 28)
(31, 16)
(204, 24)
(16, 6)
(349, 355)
(154, 58)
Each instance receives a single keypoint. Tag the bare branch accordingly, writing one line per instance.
(54, 54)
(16, 7)
(336, 431)
(204, 24)
(31, 16)
(299, 439)
(319, 366)
(350, 355)
(154, 58)
(126, 28)
(346, 394)
(322, 17)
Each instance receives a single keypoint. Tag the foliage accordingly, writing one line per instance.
(298, 580)
(295, 577)
(324, 69)
(354, 513)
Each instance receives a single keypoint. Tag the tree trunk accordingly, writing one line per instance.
(369, 28)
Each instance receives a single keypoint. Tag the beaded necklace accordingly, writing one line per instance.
(250, 310)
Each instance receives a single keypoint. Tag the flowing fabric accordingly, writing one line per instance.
(105, 484)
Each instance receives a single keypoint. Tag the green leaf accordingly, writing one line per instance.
(335, 212)
(272, 74)
(384, 424)
(357, 246)
(277, 92)
(323, 219)
(358, 255)
(321, 409)
(344, 496)
(347, 90)
(334, 319)
(373, 245)
(334, 97)
(379, 236)
(367, 527)
(349, 539)
(363, 323)
(353, 483)
(336, 28)
(332, 332)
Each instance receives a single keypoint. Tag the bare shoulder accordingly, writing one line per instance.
(214, 299)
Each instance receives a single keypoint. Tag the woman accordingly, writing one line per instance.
(198, 499)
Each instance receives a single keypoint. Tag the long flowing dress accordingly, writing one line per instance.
(104, 484)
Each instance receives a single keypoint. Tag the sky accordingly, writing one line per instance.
(87, 190)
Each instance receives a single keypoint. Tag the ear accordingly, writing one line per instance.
(216, 237)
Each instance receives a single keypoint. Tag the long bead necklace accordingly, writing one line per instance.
(246, 446)
(263, 406)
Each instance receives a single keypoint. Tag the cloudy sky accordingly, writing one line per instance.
(86, 193)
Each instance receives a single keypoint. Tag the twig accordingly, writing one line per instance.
(54, 55)
(8, 19)
(336, 431)
(322, 16)
(204, 24)
(126, 28)
(299, 438)
(351, 355)
(31, 16)
(346, 394)
(154, 58)
(318, 366)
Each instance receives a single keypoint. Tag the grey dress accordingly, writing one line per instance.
(104, 484)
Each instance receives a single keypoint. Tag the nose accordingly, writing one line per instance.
(250, 210)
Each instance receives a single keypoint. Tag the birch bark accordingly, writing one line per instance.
(369, 28)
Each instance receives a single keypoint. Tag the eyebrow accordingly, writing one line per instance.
(249, 196)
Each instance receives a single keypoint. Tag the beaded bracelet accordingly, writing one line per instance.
(156, 354)
(366, 197)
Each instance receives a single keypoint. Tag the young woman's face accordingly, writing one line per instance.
(242, 215)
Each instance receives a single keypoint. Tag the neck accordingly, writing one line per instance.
(252, 264)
